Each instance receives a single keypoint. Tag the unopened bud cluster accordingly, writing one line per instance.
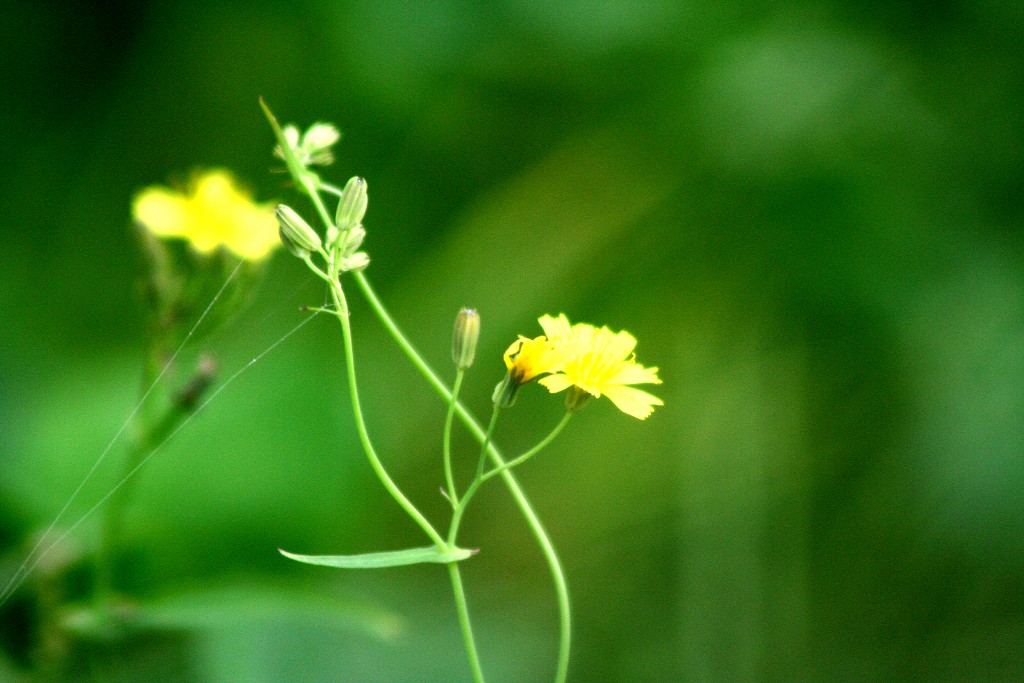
(312, 148)
(347, 234)
(343, 239)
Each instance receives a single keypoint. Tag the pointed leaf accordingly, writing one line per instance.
(393, 558)
(295, 168)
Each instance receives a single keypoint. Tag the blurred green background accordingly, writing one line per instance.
(808, 213)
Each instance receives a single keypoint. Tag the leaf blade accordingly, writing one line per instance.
(390, 558)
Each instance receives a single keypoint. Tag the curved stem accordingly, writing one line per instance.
(346, 329)
(467, 630)
(550, 555)
(453, 494)
(532, 452)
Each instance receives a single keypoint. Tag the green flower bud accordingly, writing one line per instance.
(320, 136)
(353, 239)
(355, 263)
(332, 237)
(352, 205)
(296, 233)
(205, 373)
(467, 332)
(317, 143)
(291, 137)
(505, 393)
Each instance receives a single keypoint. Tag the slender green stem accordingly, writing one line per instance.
(318, 202)
(331, 189)
(453, 529)
(467, 629)
(550, 555)
(316, 270)
(146, 432)
(453, 493)
(488, 437)
(346, 330)
(453, 532)
(533, 451)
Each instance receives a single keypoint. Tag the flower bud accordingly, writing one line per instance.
(291, 138)
(505, 393)
(355, 263)
(352, 205)
(205, 373)
(296, 233)
(467, 332)
(317, 143)
(352, 240)
(320, 136)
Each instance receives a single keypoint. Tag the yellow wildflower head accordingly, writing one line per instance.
(600, 362)
(525, 359)
(212, 213)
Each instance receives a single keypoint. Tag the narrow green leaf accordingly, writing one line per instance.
(393, 558)
(294, 167)
(239, 602)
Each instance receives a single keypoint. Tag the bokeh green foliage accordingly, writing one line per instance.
(809, 214)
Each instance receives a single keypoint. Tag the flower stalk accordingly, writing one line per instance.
(589, 362)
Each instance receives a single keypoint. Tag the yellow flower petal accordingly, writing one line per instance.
(556, 328)
(527, 358)
(632, 401)
(555, 383)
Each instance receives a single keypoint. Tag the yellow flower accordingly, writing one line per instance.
(526, 358)
(600, 362)
(214, 212)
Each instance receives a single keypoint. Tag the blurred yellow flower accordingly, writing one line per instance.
(213, 212)
(600, 362)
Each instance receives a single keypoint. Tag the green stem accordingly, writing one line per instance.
(318, 202)
(346, 330)
(532, 452)
(482, 460)
(453, 530)
(467, 630)
(550, 555)
(453, 494)
(146, 433)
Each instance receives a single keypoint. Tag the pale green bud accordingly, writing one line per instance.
(352, 240)
(291, 138)
(317, 143)
(296, 233)
(352, 205)
(355, 263)
(467, 332)
(319, 136)
(332, 237)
